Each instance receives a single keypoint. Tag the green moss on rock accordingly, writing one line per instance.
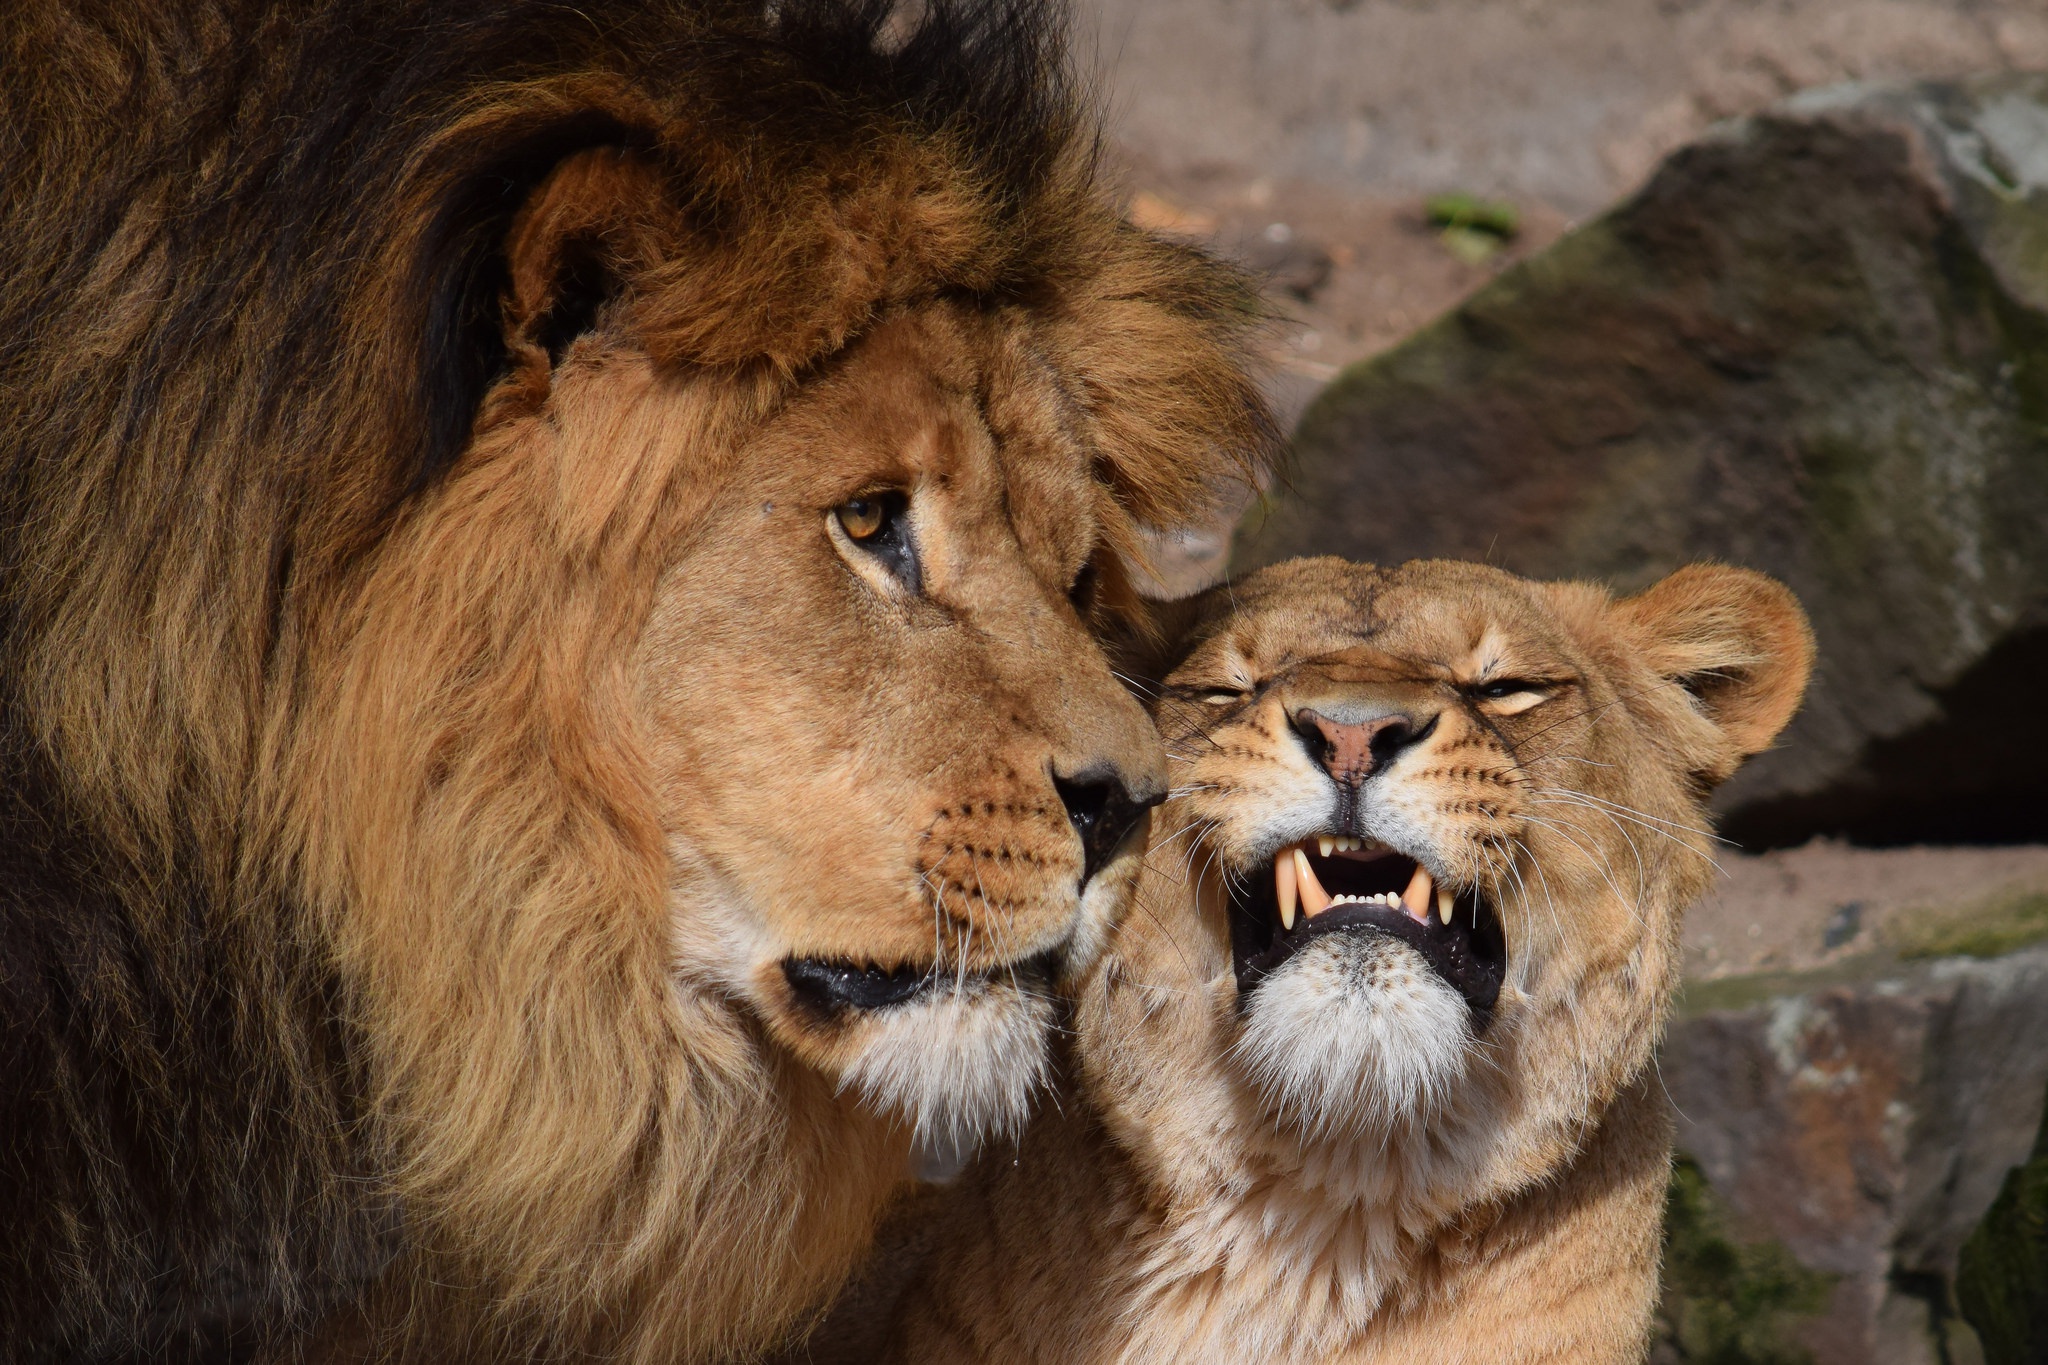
(2002, 1275)
(1728, 1301)
(1994, 929)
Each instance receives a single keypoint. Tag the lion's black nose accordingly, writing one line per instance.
(1104, 812)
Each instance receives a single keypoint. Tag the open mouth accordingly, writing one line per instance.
(1333, 884)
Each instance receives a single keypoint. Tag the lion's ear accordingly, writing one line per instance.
(1737, 640)
(587, 228)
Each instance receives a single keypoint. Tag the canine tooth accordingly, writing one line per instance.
(1443, 905)
(1415, 900)
(1284, 889)
(1324, 843)
(1314, 900)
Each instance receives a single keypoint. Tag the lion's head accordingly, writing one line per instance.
(1412, 917)
(570, 545)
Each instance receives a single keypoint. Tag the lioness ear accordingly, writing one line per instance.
(1737, 640)
(594, 221)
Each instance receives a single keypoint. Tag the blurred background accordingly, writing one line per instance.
(1599, 287)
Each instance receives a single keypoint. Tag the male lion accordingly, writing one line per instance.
(1368, 1078)
(550, 708)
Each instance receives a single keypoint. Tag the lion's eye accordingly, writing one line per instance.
(1221, 697)
(878, 524)
(1505, 687)
(862, 518)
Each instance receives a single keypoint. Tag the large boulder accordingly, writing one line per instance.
(1815, 343)
(1858, 1061)
(1866, 1127)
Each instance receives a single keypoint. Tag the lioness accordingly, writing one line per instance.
(1368, 1078)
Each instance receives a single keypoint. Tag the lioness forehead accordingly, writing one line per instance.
(1434, 615)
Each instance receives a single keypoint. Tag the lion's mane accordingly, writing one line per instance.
(253, 280)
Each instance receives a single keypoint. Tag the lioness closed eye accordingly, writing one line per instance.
(1366, 1076)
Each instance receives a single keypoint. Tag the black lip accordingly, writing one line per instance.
(1470, 953)
(830, 987)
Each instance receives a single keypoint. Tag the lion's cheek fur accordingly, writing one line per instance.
(475, 820)
(559, 857)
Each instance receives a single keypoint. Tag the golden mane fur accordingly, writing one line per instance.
(436, 708)
(1338, 1157)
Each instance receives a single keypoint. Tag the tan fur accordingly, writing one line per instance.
(1171, 1212)
(481, 793)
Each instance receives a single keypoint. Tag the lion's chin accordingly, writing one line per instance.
(959, 1062)
(1356, 1035)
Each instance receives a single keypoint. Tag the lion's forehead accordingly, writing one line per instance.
(929, 400)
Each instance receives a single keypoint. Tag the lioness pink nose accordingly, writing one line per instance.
(1352, 752)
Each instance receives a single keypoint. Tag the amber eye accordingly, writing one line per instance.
(862, 518)
(878, 525)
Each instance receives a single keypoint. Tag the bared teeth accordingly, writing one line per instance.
(1415, 900)
(1284, 887)
(1301, 895)
(1314, 900)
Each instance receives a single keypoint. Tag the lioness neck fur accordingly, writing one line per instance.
(1367, 1075)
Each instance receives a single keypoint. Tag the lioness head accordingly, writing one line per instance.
(1413, 910)
(1364, 1075)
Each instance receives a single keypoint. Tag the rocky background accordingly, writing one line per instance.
(1597, 287)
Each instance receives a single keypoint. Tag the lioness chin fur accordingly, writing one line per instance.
(1367, 1076)
(551, 718)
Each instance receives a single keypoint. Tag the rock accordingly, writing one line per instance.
(1854, 1101)
(2002, 1278)
(1727, 1297)
(1816, 343)
(1866, 1127)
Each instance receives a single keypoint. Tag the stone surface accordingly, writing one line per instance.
(2002, 1277)
(1816, 343)
(1860, 1056)
(1335, 119)
(1867, 1126)
(1727, 1297)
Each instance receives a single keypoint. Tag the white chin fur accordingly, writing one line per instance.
(1355, 1034)
(960, 1064)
